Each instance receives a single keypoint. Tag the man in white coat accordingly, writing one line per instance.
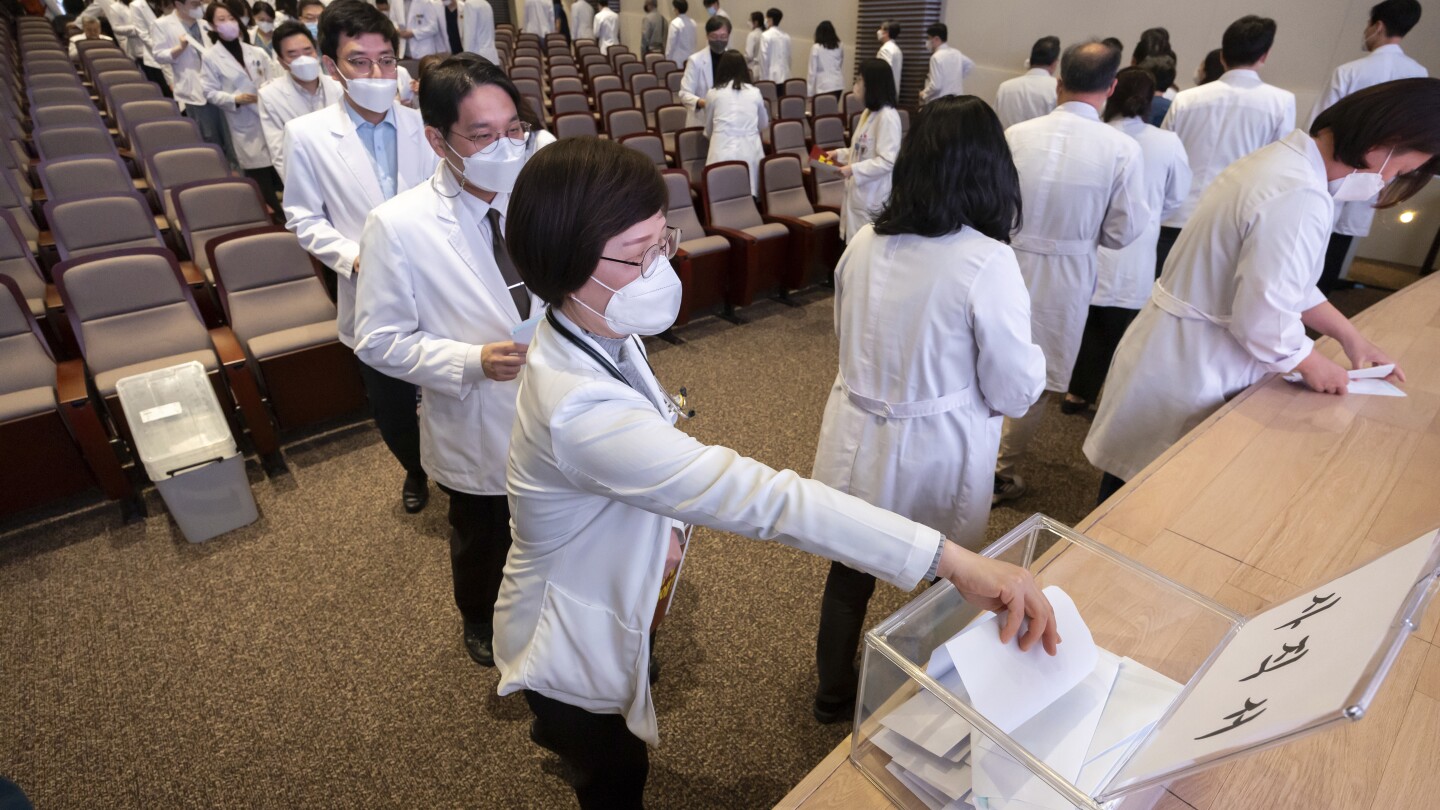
(424, 29)
(437, 306)
(1084, 187)
(1390, 21)
(680, 42)
(890, 49)
(179, 38)
(774, 50)
(699, 74)
(302, 90)
(342, 162)
(582, 21)
(539, 17)
(1031, 94)
(948, 67)
(1223, 121)
(477, 31)
(607, 27)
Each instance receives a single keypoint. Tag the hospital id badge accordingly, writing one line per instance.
(674, 561)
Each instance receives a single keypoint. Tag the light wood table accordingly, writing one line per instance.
(1279, 491)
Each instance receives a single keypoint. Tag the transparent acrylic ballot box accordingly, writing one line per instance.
(910, 728)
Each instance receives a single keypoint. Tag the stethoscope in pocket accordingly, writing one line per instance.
(679, 403)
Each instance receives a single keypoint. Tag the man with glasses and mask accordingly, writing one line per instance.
(342, 162)
(441, 306)
(700, 69)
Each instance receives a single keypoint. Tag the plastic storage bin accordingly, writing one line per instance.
(187, 449)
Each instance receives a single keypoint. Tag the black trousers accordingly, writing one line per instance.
(157, 76)
(1162, 247)
(1334, 262)
(842, 621)
(1103, 329)
(610, 764)
(393, 404)
(270, 184)
(479, 542)
(1109, 485)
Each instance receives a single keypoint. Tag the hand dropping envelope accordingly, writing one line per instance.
(1008, 686)
(1365, 381)
(524, 332)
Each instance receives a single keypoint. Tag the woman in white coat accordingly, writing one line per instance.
(600, 479)
(734, 116)
(231, 73)
(826, 75)
(1238, 291)
(1124, 276)
(934, 327)
(867, 163)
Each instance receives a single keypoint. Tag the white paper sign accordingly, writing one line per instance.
(165, 411)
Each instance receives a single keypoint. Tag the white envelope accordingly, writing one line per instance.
(1140, 696)
(1364, 381)
(942, 775)
(930, 724)
(927, 795)
(524, 331)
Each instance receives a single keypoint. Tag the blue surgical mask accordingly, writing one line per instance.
(314, 29)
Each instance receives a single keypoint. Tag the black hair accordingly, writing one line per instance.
(1045, 51)
(239, 9)
(261, 7)
(954, 169)
(756, 18)
(879, 84)
(711, 3)
(570, 199)
(1134, 92)
(774, 15)
(825, 35)
(732, 69)
(1398, 16)
(891, 29)
(445, 86)
(303, 4)
(716, 23)
(680, 5)
(940, 30)
(351, 18)
(1212, 67)
(1403, 115)
(1153, 42)
(287, 29)
(1115, 43)
(288, 7)
(1247, 40)
(1162, 67)
(214, 6)
(1089, 67)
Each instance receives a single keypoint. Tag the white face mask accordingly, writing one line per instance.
(268, 27)
(1358, 185)
(244, 20)
(197, 13)
(305, 68)
(496, 171)
(375, 95)
(645, 306)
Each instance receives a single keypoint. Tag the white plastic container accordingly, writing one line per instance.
(187, 449)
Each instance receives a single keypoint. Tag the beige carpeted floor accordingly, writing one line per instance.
(313, 659)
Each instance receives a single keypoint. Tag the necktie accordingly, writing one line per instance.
(507, 267)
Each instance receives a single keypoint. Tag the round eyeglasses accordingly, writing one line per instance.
(669, 244)
(518, 134)
(364, 66)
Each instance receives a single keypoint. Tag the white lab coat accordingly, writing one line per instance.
(598, 477)
(430, 295)
(1124, 276)
(539, 17)
(827, 70)
(752, 51)
(75, 52)
(775, 56)
(934, 347)
(733, 123)
(1385, 63)
(223, 78)
(1083, 184)
(948, 69)
(1226, 311)
(282, 101)
(477, 29)
(145, 21)
(607, 29)
(695, 82)
(893, 57)
(871, 156)
(331, 187)
(1223, 121)
(681, 40)
(582, 21)
(1027, 96)
(426, 18)
(183, 71)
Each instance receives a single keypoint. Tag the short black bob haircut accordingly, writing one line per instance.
(287, 29)
(353, 18)
(879, 84)
(825, 35)
(1045, 51)
(1089, 67)
(1134, 92)
(444, 86)
(1403, 114)
(1398, 16)
(1212, 67)
(954, 170)
(732, 70)
(1247, 40)
(571, 198)
(1153, 42)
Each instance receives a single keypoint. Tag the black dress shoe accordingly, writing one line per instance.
(827, 712)
(1072, 407)
(654, 671)
(416, 492)
(478, 645)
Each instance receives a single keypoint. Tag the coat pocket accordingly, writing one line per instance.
(583, 650)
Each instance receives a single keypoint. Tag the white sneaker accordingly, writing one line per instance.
(1008, 489)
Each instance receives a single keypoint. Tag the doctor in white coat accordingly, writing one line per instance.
(1031, 94)
(231, 73)
(1238, 291)
(934, 327)
(607, 28)
(699, 75)
(680, 41)
(582, 21)
(436, 306)
(424, 29)
(477, 30)
(890, 50)
(1390, 21)
(826, 73)
(179, 38)
(539, 17)
(867, 162)
(736, 116)
(1084, 186)
(340, 164)
(599, 477)
(948, 66)
(774, 50)
(300, 90)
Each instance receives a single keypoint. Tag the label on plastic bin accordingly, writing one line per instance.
(165, 411)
